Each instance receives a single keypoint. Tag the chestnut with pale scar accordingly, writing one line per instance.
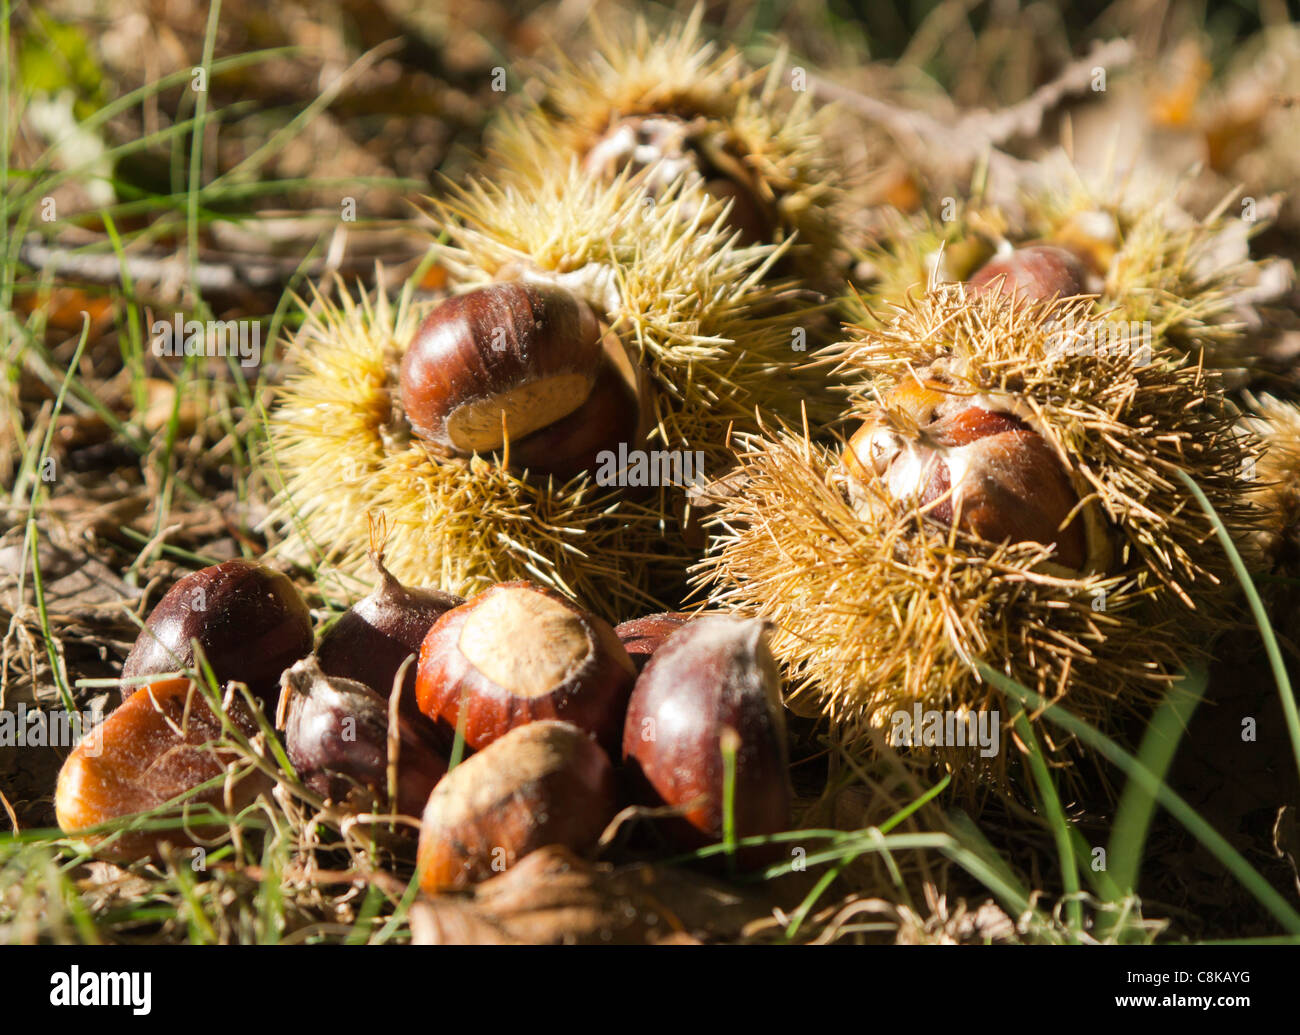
(519, 652)
(159, 744)
(507, 359)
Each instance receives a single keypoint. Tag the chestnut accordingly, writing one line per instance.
(546, 783)
(336, 735)
(660, 148)
(156, 746)
(1034, 273)
(641, 637)
(610, 415)
(985, 468)
(713, 680)
(516, 653)
(503, 360)
(374, 637)
(250, 621)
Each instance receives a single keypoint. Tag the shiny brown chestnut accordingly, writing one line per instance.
(375, 636)
(986, 469)
(1034, 273)
(250, 621)
(713, 681)
(516, 653)
(506, 359)
(641, 637)
(336, 734)
(546, 783)
(157, 745)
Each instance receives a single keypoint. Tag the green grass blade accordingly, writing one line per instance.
(1056, 818)
(1232, 860)
(1261, 616)
(1156, 753)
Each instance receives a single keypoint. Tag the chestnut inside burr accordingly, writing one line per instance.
(969, 462)
(663, 148)
(1033, 273)
(503, 360)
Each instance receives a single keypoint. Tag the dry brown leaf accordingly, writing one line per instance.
(554, 898)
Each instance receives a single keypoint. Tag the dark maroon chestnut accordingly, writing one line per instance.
(641, 637)
(714, 680)
(507, 359)
(546, 783)
(1034, 273)
(336, 735)
(250, 621)
(373, 638)
(516, 653)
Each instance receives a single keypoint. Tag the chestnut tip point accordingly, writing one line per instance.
(713, 687)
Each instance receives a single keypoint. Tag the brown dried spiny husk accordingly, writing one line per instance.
(758, 119)
(876, 609)
(1190, 276)
(679, 294)
(1274, 547)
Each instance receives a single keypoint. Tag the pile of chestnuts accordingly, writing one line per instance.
(563, 718)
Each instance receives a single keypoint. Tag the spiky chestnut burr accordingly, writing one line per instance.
(250, 622)
(678, 295)
(162, 742)
(1273, 547)
(711, 691)
(1164, 277)
(641, 637)
(876, 609)
(339, 735)
(517, 653)
(657, 108)
(546, 783)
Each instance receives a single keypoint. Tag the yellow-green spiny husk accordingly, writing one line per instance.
(1187, 280)
(760, 125)
(1274, 547)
